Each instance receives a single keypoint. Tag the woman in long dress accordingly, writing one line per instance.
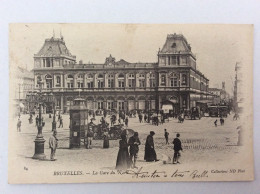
(123, 158)
(150, 154)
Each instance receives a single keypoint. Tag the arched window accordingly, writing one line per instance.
(152, 80)
(48, 79)
(173, 80)
(80, 81)
(70, 81)
(142, 80)
(90, 81)
(58, 81)
(131, 80)
(100, 80)
(184, 79)
(163, 80)
(111, 81)
(121, 80)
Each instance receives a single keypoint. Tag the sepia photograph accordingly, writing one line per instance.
(91, 103)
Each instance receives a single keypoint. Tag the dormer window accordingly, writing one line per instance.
(174, 45)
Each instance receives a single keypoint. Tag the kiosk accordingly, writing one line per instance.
(78, 123)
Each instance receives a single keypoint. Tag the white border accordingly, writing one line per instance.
(133, 11)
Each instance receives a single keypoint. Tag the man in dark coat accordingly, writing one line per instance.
(166, 135)
(150, 154)
(177, 147)
(134, 143)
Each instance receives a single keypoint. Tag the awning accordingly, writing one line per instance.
(21, 105)
(204, 101)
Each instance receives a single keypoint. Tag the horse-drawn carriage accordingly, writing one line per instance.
(113, 132)
(193, 113)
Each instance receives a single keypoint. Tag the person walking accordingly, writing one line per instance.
(53, 144)
(123, 160)
(140, 118)
(150, 154)
(61, 122)
(37, 121)
(19, 124)
(134, 143)
(126, 121)
(106, 140)
(90, 135)
(216, 123)
(166, 135)
(177, 147)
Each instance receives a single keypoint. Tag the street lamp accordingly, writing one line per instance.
(54, 113)
(40, 97)
(150, 105)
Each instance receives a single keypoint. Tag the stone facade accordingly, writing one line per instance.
(119, 84)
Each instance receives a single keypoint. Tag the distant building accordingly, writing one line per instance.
(122, 85)
(215, 95)
(24, 82)
(238, 89)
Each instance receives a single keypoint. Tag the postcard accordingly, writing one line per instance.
(94, 103)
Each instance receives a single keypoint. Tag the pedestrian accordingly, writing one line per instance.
(106, 140)
(134, 143)
(150, 154)
(111, 121)
(19, 124)
(59, 117)
(30, 119)
(61, 122)
(126, 121)
(216, 123)
(140, 118)
(50, 115)
(37, 121)
(53, 144)
(123, 160)
(145, 118)
(177, 147)
(119, 120)
(90, 135)
(43, 122)
(166, 135)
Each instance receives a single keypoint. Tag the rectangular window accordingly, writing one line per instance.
(121, 83)
(152, 84)
(163, 80)
(142, 83)
(80, 85)
(90, 85)
(121, 105)
(184, 79)
(70, 85)
(100, 105)
(131, 83)
(100, 84)
(175, 82)
(110, 83)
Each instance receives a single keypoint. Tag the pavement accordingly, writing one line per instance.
(202, 142)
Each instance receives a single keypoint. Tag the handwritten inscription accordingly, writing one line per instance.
(143, 174)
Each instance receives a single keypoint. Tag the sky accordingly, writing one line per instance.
(217, 47)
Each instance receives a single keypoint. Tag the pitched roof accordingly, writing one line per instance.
(176, 43)
(54, 47)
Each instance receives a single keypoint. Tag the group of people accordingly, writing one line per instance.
(124, 159)
(221, 120)
(127, 159)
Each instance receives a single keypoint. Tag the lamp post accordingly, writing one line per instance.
(150, 104)
(54, 113)
(39, 140)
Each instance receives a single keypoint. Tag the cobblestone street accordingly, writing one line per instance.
(202, 143)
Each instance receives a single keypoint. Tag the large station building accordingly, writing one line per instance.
(117, 84)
